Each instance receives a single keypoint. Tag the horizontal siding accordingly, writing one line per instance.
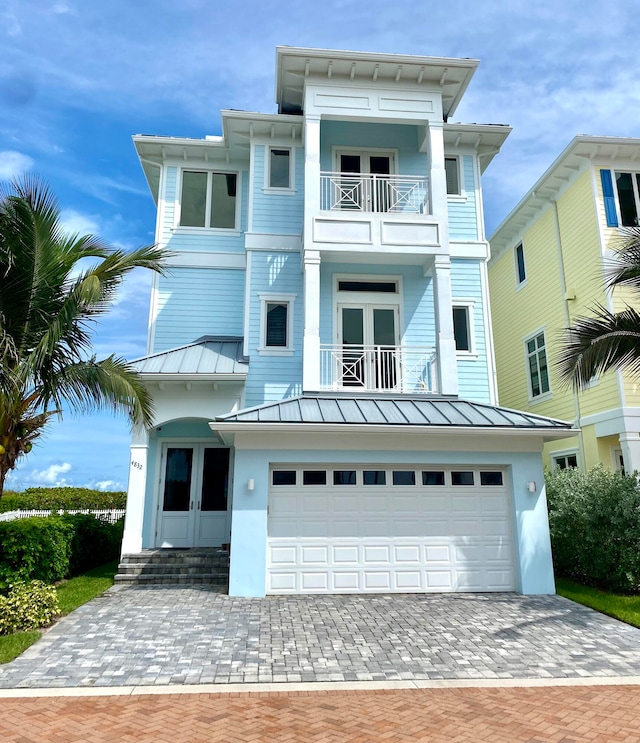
(517, 314)
(280, 214)
(190, 239)
(463, 215)
(473, 375)
(582, 255)
(400, 137)
(273, 378)
(193, 302)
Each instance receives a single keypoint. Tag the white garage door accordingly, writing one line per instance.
(410, 529)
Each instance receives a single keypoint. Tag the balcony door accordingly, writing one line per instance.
(364, 180)
(193, 500)
(369, 340)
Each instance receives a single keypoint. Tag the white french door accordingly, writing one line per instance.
(368, 334)
(364, 183)
(193, 507)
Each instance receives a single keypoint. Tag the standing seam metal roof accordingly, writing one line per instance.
(392, 411)
(208, 355)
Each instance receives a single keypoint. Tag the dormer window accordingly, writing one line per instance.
(208, 199)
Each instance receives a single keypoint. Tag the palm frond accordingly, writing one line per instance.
(624, 268)
(594, 345)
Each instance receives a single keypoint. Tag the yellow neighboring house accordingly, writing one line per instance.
(547, 268)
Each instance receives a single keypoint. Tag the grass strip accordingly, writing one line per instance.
(72, 593)
(625, 608)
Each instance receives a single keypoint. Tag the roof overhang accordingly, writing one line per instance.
(296, 64)
(576, 157)
(485, 139)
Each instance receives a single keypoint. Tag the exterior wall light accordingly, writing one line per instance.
(531, 487)
(251, 484)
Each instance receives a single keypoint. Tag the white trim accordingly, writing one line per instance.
(477, 177)
(634, 185)
(490, 352)
(467, 303)
(563, 453)
(461, 194)
(477, 250)
(186, 229)
(289, 300)
(247, 305)
(289, 190)
(252, 166)
(543, 395)
(198, 259)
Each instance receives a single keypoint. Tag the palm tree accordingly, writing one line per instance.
(50, 299)
(607, 340)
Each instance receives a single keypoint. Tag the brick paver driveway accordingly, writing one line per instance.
(549, 715)
(167, 635)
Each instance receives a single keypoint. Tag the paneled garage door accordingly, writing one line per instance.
(409, 529)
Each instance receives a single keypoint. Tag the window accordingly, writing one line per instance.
(462, 478)
(277, 324)
(451, 171)
(386, 287)
(314, 477)
(433, 477)
(521, 273)
(374, 477)
(628, 188)
(404, 477)
(344, 477)
(279, 168)
(284, 477)
(537, 368)
(563, 461)
(208, 200)
(491, 478)
(461, 328)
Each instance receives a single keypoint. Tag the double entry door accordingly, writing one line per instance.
(364, 183)
(369, 346)
(193, 510)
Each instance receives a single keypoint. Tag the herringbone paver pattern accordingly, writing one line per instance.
(541, 715)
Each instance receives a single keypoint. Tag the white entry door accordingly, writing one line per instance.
(368, 335)
(193, 510)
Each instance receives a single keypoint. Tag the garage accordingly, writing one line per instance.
(389, 529)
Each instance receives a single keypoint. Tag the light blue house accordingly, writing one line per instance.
(320, 352)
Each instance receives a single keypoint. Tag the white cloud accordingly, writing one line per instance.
(77, 223)
(105, 485)
(50, 476)
(13, 164)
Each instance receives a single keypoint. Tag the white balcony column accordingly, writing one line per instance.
(311, 347)
(311, 175)
(439, 205)
(630, 445)
(134, 514)
(445, 341)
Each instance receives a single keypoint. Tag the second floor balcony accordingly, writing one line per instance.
(377, 368)
(372, 192)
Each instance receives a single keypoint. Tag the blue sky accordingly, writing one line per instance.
(79, 78)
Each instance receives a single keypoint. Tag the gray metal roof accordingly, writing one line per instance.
(391, 411)
(209, 356)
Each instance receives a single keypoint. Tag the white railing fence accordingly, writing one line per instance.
(112, 515)
(369, 192)
(378, 368)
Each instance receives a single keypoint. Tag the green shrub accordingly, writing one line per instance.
(27, 606)
(594, 519)
(61, 498)
(93, 543)
(36, 548)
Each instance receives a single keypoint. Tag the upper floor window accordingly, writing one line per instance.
(521, 273)
(208, 199)
(628, 188)
(463, 326)
(276, 327)
(452, 173)
(279, 168)
(537, 367)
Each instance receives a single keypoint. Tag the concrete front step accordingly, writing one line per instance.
(185, 567)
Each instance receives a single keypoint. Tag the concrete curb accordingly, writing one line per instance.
(321, 686)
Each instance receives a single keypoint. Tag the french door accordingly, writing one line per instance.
(193, 508)
(369, 340)
(364, 180)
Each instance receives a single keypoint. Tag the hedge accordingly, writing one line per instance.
(594, 519)
(28, 606)
(55, 547)
(61, 498)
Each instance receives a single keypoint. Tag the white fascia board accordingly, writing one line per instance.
(478, 249)
(167, 377)
(364, 428)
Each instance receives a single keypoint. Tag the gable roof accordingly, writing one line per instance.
(406, 411)
(209, 357)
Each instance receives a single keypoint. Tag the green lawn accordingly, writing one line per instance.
(72, 593)
(625, 608)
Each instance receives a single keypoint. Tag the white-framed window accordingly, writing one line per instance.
(279, 169)
(537, 365)
(628, 192)
(564, 460)
(276, 324)
(521, 270)
(452, 174)
(208, 199)
(463, 326)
